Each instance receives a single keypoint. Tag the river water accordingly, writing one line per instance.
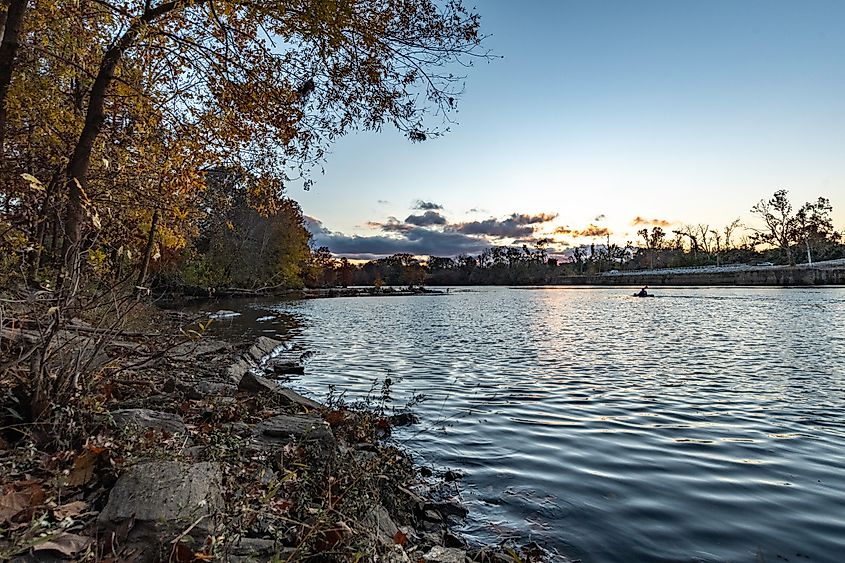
(706, 424)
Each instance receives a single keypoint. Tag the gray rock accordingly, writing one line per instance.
(255, 549)
(257, 384)
(241, 429)
(163, 496)
(380, 522)
(439, 554)
(263, 347)
(280, 367)
(146, 418)
(237, 370)
(448, 508)
(282, 429)
(198, 390)
(433, 516)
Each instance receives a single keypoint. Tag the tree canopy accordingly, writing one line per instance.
(112, 111)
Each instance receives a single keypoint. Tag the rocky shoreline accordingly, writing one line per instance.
(197, 454)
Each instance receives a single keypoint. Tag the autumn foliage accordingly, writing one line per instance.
(114, 114)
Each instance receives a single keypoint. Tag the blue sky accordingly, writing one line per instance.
(679, 111)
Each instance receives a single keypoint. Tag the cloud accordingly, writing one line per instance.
(590, 231)
(426, 219)
(405, 238)
(426, 205)
(638, 221)
(426, 234)
(516, 226)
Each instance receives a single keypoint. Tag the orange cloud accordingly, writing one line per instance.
(590, 231)
(655, 222)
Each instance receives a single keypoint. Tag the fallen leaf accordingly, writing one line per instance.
(399, 538)
(83, 469)
(182, 553)
(334, 417)
(70, 509)
(67, 544)
(12, 504)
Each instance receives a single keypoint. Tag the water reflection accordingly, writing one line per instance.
(704, 424)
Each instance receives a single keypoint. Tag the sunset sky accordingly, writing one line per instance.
(599, 113)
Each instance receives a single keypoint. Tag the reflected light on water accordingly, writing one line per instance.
(703, 425)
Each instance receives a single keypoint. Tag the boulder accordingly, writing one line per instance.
(155, 502)
(439, 554)
(145, 418)
(165, 492)
(257, 384)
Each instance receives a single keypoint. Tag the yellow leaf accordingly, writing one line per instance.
(34, 182)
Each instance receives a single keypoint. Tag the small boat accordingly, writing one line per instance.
(646, 295)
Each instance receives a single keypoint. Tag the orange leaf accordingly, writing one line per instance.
(399, 538)
(83, 469)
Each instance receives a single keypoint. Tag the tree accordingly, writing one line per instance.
(813, 222)
(267, 85)
(780, 224)
(654, 241)
(12, 24)
(729, 231)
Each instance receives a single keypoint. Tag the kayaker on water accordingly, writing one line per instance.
(643, 292)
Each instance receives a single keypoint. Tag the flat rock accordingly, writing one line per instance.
(146, 418)
(263, 347)
(198, 390)
(166, 495)
(282, 429)
(439, 554)
(280, 367)
(257, 384)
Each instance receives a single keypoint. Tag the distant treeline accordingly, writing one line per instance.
(788, 238)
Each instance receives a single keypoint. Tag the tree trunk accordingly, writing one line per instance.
(8, 51)
(145, 263)
(41, 228)
(809, 256)
(77, 168)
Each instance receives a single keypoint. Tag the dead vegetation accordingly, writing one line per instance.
(123, 443)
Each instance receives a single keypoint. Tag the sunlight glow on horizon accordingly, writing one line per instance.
(678, 112)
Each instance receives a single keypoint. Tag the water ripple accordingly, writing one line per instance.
(704, 425)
